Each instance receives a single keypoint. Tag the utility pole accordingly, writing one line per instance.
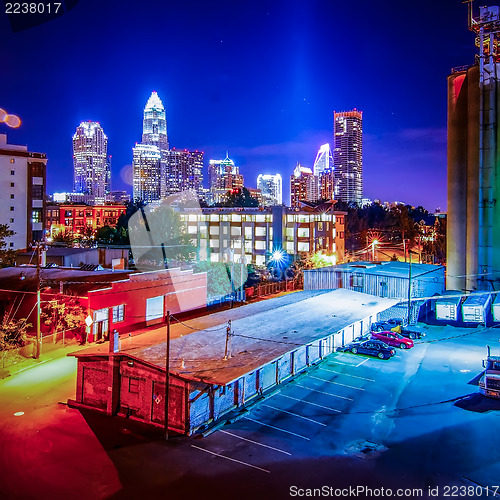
(167, 376)
(38, 347)
(227, 353)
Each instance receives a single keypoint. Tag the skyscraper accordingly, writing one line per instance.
(146, 173)
(324, 170)
(150, 157)
(184, 170)
(271, 188)
(90, 161)
(223, 176)
(303, 186)
(348, 155)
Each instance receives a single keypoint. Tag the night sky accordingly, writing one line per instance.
(260, 79)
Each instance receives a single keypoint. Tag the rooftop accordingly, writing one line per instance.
(303, 317)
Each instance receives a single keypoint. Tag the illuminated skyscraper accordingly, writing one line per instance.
(150, 157)
(223, 176)
(348, 155)
(324, 170)
(303, 186)
(147, 173)
(90, 161)
(271, 188)
(184, 171)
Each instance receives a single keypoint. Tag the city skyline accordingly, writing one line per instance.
(222, 104)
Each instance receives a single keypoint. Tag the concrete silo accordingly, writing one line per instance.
(473, 235)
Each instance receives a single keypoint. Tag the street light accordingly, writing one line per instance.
(374, 242)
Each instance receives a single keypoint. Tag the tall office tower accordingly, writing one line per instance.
(271, 188)
(184, 170)
(107, 185)
(90, 161)
(22, 184)
(303, 186)
(150, 157)
(147, 173)
(473, 220)
(324, 170)
(154, 125)
(223, 176)
(348, 155)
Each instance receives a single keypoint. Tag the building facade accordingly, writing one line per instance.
(348, 155)
(23, 184)
(147, 173)
(228, 234)
(80, 219)
(271, 188)
(184, 170)
(92, 174)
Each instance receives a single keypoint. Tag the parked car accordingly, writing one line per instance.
(393, 339)
(395, 325)
(372, 347)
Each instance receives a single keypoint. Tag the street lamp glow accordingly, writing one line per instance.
(277, 255)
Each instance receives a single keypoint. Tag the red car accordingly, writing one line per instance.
(394, 339)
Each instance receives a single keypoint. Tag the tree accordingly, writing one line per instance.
(63, 313)
(13, 333)
(240, 198)
(7, 256)
(105, 235)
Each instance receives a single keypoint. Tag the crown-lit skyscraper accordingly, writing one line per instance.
(150, 157)
(90, 161)
(324, 170)
(223, 176)
(348, 155)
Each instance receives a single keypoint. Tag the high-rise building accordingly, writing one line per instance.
(150, 157)
(90, 161)
(348, 155)
(184, 170)
(271, 188)
(22, 182)
(223, 176)
(473, 219)
(303, 186)
(324, 170)
(147, 172)
(154, 125)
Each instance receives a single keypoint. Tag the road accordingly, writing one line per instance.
(403, 423)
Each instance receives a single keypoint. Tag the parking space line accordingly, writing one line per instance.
(295, 415)
(229, 458)
(255, 442)
(321, 392)
(277, 428)
(362, 362)
(309, 403)
(337, 383)
(348, 374)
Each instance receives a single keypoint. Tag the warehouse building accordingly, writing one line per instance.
(204, 383)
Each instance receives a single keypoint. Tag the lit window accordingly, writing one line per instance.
(13, 160)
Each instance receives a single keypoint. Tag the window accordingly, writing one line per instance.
(118, 313)
(260, 231)
(12, 185)
(12, 172)
(11, 209)
(214, 229)
(12, 160)
(36, 216)
(260, 245)
(320, 226)
(302, 247)
(11, 196)
(11, 221)
(356, 280)
(11, 244)
(133, 385)
(154, 308)
(303, 233)
(248, 233)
